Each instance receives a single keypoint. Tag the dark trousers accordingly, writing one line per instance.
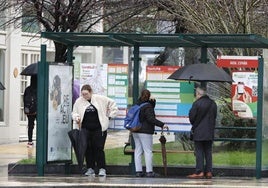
(203, 153)
(95, 155)
(31, 119)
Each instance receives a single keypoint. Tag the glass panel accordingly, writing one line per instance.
(225, 153)
(265, 118)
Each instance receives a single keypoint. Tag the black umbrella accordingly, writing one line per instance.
(79, 140)
(2, 87)
(205, 72)
(163, 141)
(30, 70)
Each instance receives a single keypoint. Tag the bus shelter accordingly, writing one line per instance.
(202, 41)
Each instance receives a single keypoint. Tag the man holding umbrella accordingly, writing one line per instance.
(202, 116)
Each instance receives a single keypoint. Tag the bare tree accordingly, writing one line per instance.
(187, 16)
(220, 16)
(64, 16)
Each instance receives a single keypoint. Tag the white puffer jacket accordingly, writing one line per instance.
(106, 107)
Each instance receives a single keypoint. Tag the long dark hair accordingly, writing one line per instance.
(145, 95)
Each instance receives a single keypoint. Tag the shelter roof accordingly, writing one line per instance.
(159, 40)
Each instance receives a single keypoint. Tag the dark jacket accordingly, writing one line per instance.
(148, 119)
(202, 116)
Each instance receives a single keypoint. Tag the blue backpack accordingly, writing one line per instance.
(132, 119)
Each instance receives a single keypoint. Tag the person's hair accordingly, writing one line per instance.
(86, 87)
(201, 91)
(145, 95)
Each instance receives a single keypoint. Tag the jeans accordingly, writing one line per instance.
(203, 153)
(143, 145)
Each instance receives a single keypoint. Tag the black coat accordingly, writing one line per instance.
(148, 119)
(202, 116)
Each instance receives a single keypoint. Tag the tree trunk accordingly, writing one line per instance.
(60, 52)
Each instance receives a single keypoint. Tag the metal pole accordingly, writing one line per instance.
(259, 120)
(70, 54)
(41, 141)
(136, 73)
(204, 55)
(204, 59)
(135, 91)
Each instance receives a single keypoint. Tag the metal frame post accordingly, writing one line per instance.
(259, 120)
(136, 69)
(42, 107)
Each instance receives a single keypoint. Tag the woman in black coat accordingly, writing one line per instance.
(143, 138)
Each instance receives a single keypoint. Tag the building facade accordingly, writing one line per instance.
(18, 50)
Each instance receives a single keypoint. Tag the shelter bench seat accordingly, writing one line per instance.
(130, 151)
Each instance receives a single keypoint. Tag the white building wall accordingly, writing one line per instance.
(14, 42)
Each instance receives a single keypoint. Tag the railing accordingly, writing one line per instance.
(236, 139)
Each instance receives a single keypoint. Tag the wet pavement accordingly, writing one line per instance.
(11, 153)
(123, 181)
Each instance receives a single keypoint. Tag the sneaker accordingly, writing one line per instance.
(139, 174)
(150, 174)
(102, 172)
(90, 172)
(30, 144)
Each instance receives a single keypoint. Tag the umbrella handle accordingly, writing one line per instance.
(162, 131)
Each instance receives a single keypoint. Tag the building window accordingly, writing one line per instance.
(30, 25)
(26, 59)
(29, 22)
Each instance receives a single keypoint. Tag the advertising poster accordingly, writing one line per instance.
(244, 92)
(95, 76)
(59, 112)
(117, 85)
(173, 98)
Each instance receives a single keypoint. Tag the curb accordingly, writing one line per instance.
(126, 170)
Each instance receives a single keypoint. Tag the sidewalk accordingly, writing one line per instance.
(12, 153)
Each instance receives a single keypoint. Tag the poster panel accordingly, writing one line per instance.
(173, 98)
(59, 112)
(244, 91)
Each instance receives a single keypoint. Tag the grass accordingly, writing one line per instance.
(221, 157)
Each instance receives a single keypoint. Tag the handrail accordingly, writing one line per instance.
(245, 128)
(236, 139)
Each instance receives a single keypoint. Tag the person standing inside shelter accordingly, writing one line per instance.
(30, 107)
(143, 138)
(93, 112)
(202, 116)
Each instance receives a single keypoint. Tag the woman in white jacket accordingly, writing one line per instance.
(93, 112)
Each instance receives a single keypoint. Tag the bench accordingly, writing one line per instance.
(130, 151)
